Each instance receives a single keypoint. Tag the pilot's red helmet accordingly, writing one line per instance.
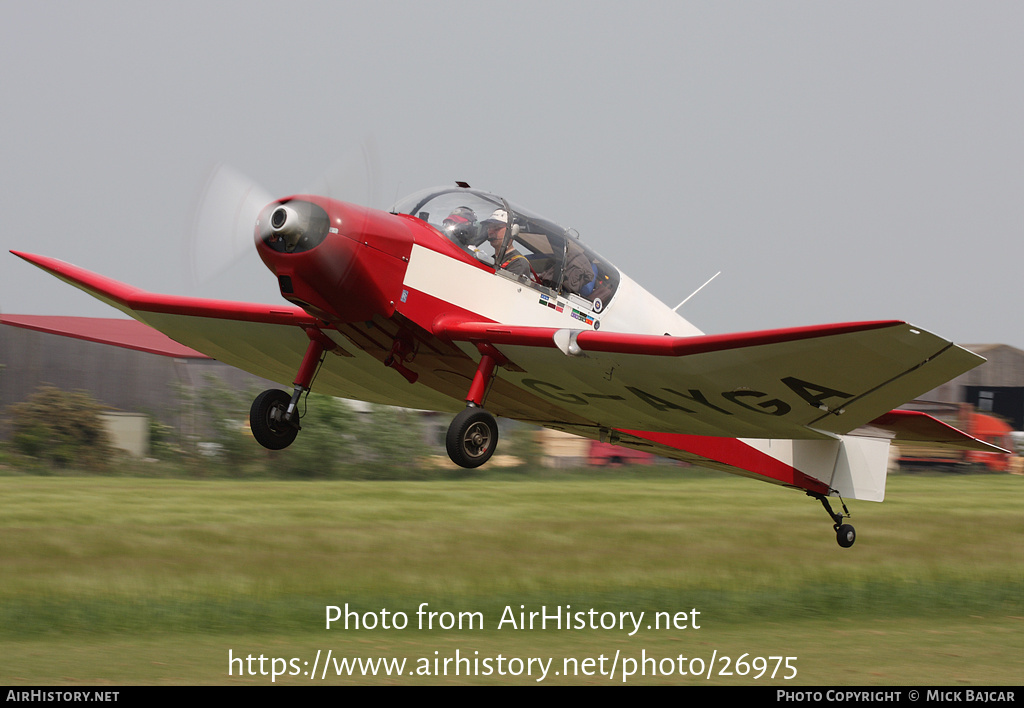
(461, 215)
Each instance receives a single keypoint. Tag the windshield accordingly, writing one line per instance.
(516, 242)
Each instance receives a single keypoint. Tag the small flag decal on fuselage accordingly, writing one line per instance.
(582, 317)
(552, 303)
(559, 306)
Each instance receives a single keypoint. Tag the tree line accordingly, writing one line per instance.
(61, 430)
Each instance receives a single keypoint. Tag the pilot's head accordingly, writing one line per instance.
(461, 226)
(495, 226)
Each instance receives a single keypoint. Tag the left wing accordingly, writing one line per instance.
(808, 382)
(778, 405)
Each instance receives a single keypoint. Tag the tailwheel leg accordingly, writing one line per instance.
(274, 416)
(473, 434)
(845, 533)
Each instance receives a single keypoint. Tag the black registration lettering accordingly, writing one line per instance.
(770, 407)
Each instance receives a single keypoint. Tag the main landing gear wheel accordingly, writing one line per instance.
(472, 438)
(268, 421)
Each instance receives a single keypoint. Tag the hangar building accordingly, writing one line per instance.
(144, 373)
(996, 387)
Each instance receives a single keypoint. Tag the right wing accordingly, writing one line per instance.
(266, 340)
(262, 339)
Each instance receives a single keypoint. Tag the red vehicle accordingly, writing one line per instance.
(609, 455)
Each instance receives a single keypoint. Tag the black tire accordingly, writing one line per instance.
(845, 535)
(266, 419)
(472, 438)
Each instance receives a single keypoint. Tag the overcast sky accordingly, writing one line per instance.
(837, 161)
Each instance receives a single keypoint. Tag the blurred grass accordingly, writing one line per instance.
(165, 549)
(89, 561)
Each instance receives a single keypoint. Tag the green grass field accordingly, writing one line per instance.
(154, 581)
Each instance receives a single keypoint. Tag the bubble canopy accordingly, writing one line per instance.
(516, 242)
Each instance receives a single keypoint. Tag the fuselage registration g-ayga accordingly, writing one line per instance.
(456, 300)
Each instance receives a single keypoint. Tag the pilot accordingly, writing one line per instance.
(512, 260)
(462, 227)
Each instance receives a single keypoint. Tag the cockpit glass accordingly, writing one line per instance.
(457, 213)
(516, 242)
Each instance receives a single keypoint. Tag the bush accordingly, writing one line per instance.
(324, 448)
(217, 438)
(61, 428)
(390, 444)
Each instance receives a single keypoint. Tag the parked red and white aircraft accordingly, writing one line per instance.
(459, 300)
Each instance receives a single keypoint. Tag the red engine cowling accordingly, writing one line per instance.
(339, 262)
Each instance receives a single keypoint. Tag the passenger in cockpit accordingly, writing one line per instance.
(512, 260)
(579, 273)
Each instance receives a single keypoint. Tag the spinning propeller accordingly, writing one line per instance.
(225, 216)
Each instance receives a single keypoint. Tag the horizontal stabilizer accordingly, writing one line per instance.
(918, 427)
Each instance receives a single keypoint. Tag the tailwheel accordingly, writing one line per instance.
(269, 420)
(845, 535)
(472, 437)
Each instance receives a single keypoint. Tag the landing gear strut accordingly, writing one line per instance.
(473, 434)
(845, 533)
(274, 416)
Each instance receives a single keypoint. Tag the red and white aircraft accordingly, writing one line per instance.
(458, 300)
